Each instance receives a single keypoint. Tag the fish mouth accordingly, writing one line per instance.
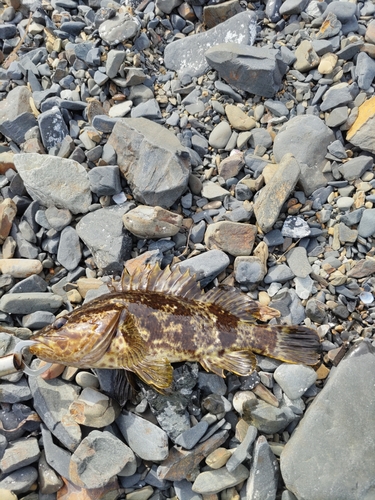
(18, 353)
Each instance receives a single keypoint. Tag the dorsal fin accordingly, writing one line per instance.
(170, 282)
(237, 303)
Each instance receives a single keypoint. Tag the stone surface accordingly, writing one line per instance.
(152, 222)
(151, 159)
(264, 472)
(328, 420)
(272, 197)
(257, 70)
(55, 181)
(231, 237)
(294, 379)
(211, 482)
(94, 409)
(186, 56)
(359, 133)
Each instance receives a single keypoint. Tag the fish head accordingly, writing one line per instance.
(79, 338)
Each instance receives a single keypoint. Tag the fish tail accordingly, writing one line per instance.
(292, 344)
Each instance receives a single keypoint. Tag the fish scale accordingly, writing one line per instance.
(157, 317)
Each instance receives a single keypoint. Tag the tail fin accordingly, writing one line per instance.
(293, 344)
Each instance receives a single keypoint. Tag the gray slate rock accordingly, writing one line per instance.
(152, 160)
(309, 459)
(20, 453)
(20, 481)
(264, 472)
(51, 400)
(355, 167)
(54, 181)
(105, 181)
(119, 28)
(37, 320)
(189, 438)
(307, 138)
(257, 70)
(69, 252)
(113, 246)
(146, 439)
(206, 266)
(17, 128)
(279, 274)
(214, 481)
(58, 458)
(187, 56)
(366, 226)
(298, 262)
(268, 204)
(242, 452)
(15, 392)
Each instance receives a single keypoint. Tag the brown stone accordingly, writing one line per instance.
(8, 211)
(183, 464)
(362, 268)
(361, 132)
(232, 237)
(6, 161)
(186, 11)
(219, 457)
(370, 32)
(231, 166)
(216, 14)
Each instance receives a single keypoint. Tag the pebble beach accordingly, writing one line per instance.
(229, 138)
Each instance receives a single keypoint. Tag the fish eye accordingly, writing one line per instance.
(59, 322)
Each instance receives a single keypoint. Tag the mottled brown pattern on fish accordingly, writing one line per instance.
(161, 317)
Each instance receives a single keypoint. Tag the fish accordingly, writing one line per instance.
(154, 318)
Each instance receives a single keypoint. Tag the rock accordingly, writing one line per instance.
(69, 252)
(52, 126)
(152, 222)
(16, 103)
(264, 472)
(271, 198)
(52, 399)
(183, 464)
(27, 303)
(38, 319)
(49, 481)
(242, 452)
(152, 160)
(268, 418)
(8, 211)
(279, 274)
(238, 119)
(189, 438)
(231, 237)
(220, 135)
(231, 166)
(94, 409)
(328, 415)
(119, 28)
(15, 392)
(20, 268)
(295, 227)
(355, 167)
(113, 247)
(359, 133)
(206, 266)
(366, 226)
(211, 482)
(307, 58)
(362, 269)
(298, 262)
(186, 56)
(248, 270)
(98, 448)
(147, 440)
(307, 138)
(19, 454)
(213, 191)
(55, 181)
(105, 180)
(258, 70)
(330, 27)
(58, 218)
(336, 96)
(294, 379)
(20, 481)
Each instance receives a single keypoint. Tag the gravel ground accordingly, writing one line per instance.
(232, 139)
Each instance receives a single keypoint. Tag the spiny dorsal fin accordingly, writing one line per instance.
(233, 300)
(170, 282)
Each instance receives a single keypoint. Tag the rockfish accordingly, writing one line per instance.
(157, 317)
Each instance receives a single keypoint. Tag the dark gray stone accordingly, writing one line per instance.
(187, 56)
(52, 127)
(149, 109)
(354, 168)
(264, 472)
(37, 320)
(20, 481)
(69, 252)
(33, 283)
(114, 245)
(364, 70)
(258, 70)
(105, 181)
(17, 128)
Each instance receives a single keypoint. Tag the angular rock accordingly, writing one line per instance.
(267, 418)
(8, 211)
(20, 481)
(55, 181)
(187, 56)
(105, 180)
(16, 129)
(355, 167)
(258, 70)
(242, 452)
(119, 28)
(52, 127)
(52, 399)
(308, 465)
(189, 438)
(264, 472)
(271, 198)
(238, 118)
(69, 252)
(49, 481)
(147, 440)
(151, 159)
(298, 262)
(15, 392)
(307, 58)
(307, 138)
(19, 454)
(114, 245)
(360, 133)
(152, 222)
(294, 379)
(362, 268)
(98, 458)
(16, 103)
(231, 237)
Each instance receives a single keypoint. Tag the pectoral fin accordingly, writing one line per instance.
(155, 372)
(241, 363)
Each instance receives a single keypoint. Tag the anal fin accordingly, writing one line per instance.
(240, 363)
(155, 372)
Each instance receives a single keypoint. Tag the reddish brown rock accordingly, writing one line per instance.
(8, 211)
(362, 268)
(231, 237)
(231, 166)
